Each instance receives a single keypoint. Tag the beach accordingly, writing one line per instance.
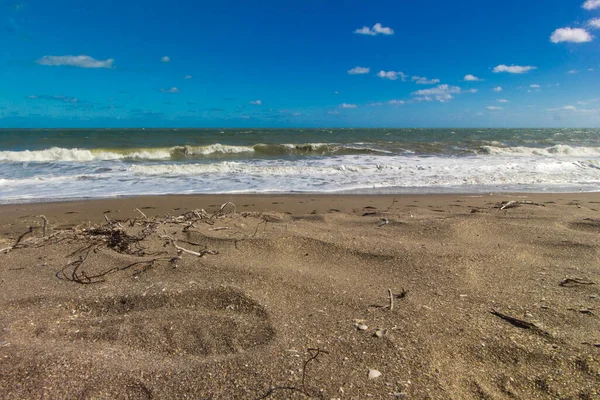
(237, 296)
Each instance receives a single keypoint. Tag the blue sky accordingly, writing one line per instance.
(241, 63)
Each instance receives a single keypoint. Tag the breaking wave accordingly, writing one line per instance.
(57, 154)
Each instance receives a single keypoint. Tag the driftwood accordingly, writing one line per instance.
(126, 236)
(520, 323)
(517, 203)
(570, 282)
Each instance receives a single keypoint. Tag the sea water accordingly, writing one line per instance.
(61, 164)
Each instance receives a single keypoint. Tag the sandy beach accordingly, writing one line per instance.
(302, 296)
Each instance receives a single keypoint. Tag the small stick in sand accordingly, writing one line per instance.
(391, 299)
(517, 203)
(519, 323)
(140, 211)
(45, 225)
(570, 282)
(222, 209)
(184, 250)
(14, 246)
(392, 205)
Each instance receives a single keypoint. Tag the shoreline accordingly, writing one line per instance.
(298, 203)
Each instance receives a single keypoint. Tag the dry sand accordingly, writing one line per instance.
(295, 273)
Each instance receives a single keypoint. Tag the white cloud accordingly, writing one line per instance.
(575, 109)
(498, 89)
(572, 35)
(296, 114)
(187, 77)
(33, 96)
(165, 59)
(590, 69)
(534, 86)
(591, 4)
(421, 80)
(375, 104)
(494, 108)
(376, 30)
(336, 92)
(396, 102)
(392, 75)
(572, 72)
(334, 112)
(256, 103)
(472, 91)
(442, 93)
(502, 101)
(423, 98)
(359, 70)
(172, 90)
(513, 69)
(594, 23)
(471, 78)
(81, 61)
(346, 105)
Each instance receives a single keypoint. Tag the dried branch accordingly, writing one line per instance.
(517, 203)
(140, 211)
(519, 323)
(184, 250)
(45, 225)
(314, 354)
(570, 282)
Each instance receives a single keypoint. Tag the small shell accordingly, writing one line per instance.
(362, 327)
(374, 374)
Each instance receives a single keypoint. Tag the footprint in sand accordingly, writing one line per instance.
(209, 322)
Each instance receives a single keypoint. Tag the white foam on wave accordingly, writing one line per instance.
(330, 174)
(57, 154)
(216, 148)
(553, 151)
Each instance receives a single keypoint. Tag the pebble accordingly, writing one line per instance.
(362, 327)
(374, 374)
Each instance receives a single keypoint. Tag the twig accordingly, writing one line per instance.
(391, 299)
(314, 354)
(14, 246)
(140, 211)
(570, 282)
(392, 205)
(222, 209)
(519, 323)
(45, 225)
(517, 203)
(194, 253)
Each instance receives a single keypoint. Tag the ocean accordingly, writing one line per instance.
(66, 164)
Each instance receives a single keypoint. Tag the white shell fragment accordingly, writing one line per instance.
(374, 374)
(380, 333)
(362, 327)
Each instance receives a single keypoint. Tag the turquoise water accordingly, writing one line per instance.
(39, 165)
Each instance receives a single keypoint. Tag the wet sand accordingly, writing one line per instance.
(487, 303)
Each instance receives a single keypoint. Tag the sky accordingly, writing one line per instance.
(309, 63)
